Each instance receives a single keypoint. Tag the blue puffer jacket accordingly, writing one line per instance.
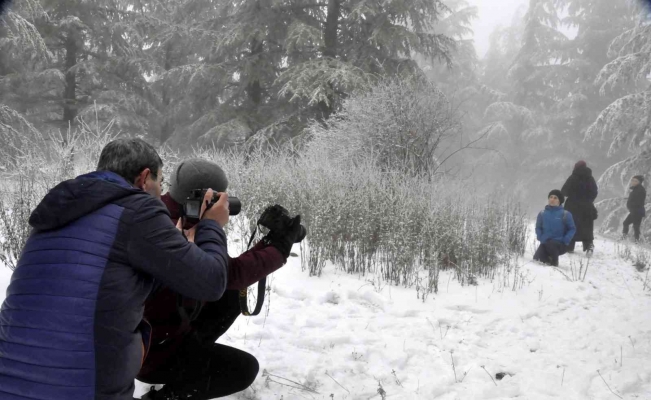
(71, 326)
(551, 225)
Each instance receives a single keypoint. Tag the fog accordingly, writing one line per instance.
(491, 14)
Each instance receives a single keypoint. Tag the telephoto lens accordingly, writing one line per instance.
(192, 204)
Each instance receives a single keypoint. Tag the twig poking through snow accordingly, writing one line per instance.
(464, 375)
(441, 331)
(430, 322)
(563, 377)
(627, 287)
(393, 372)
(381, 391)
(290, 386)
(336, 382)
(587, 265)
(489, 375)
(632, 344)
(454, 369)
(300, 386)
(563, 273)
(611, 390)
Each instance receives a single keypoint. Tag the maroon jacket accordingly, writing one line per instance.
(161, 309)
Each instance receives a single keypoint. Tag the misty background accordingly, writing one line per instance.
(490, 15)
(503, 97)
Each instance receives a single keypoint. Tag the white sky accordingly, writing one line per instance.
(492, 13)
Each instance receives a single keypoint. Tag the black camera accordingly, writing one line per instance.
(192, 205)
(276, 219)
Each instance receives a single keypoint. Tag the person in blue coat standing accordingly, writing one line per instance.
(554, 229)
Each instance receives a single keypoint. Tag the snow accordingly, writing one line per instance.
(5, 277)
(341, 335)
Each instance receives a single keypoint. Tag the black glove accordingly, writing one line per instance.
(284, 241)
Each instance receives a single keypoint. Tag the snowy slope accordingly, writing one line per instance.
(340, 336)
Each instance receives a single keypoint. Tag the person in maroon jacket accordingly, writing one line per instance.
(183, 354)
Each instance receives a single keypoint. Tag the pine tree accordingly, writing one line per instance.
(90, 64)
(527, 78)
(275, 64)
(627, 121)
(23, 59)
(365, 37)
(218, 61)
(548, 98)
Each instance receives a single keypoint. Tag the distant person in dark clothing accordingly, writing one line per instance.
(554, 229)
(635, 205)
(581, 190)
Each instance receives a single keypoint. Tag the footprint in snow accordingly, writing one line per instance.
(468, 308)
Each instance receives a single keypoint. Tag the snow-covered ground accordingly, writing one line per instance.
(341, 337)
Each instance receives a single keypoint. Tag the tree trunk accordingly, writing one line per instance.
(330, 50)
(331, 27)
(167, 128)
(70, 91)
(253, 88)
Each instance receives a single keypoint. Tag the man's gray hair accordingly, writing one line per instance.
(129, 157)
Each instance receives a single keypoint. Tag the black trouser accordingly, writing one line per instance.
(636, 220)
(202, 369)
(587, 245)
(549, 252)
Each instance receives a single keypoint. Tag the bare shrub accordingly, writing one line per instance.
(638, 255)
(368, 221)
(17, 200)
(33, 164)
(407, 126)
(402, 227)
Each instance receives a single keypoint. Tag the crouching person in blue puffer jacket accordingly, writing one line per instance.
(72, 327)
(554, 229)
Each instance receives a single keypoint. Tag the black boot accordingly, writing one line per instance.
(570, 247)
(589, 249)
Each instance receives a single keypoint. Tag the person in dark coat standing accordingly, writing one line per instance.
(581, 190)
(554, 230)
(635, 205)
(71, 327)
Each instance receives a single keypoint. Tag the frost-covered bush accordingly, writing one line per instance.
(403, 228)
(368, 221)
(403, 125)
(32, 163)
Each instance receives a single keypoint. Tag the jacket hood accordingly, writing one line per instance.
(75, 198)
(582, 171)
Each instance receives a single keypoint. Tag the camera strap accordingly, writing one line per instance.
(262, 285)
(244, 306)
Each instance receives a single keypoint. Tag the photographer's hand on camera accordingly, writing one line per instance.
(219, 211)
(283, 241)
